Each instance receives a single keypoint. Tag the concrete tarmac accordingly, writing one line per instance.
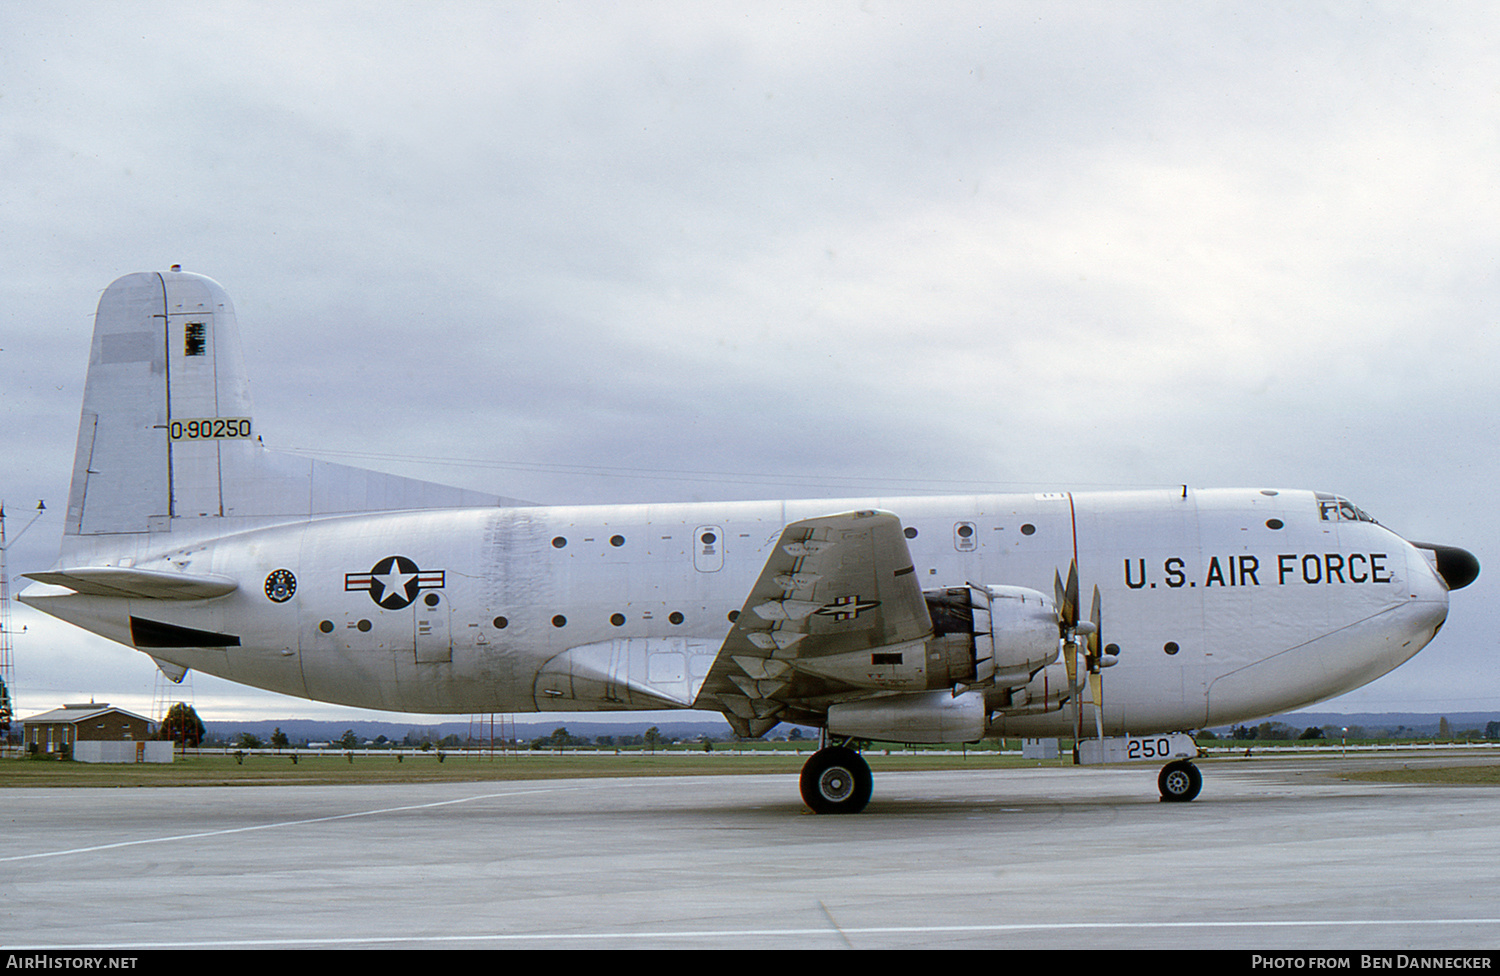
(1273, 855)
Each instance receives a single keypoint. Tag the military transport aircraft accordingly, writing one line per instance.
(915, 620)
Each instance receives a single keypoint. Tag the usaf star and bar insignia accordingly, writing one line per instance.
(846, 608)
(394, 582)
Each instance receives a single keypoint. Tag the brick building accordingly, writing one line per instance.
(57, 731)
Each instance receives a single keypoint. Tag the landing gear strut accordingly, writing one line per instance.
(1179, 781)
(836, 780)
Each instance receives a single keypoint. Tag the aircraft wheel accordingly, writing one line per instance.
(836, 780)
(1179, 781)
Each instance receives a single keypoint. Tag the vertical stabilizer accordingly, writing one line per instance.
(165, 400)
(167, 430)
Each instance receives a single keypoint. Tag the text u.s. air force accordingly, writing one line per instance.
(1299, 569)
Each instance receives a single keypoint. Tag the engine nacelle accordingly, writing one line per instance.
(1008, 632)
(1045, 692)
(936, 716)
(986, 636)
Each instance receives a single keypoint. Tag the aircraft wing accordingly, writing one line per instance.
(836, 611)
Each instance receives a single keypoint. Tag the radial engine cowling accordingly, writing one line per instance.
(1010, 631)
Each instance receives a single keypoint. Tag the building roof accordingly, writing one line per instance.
(72, 713)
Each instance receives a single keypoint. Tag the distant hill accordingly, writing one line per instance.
(1379, 724)
(307, 730)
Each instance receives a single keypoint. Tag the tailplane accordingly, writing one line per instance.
(168, 432)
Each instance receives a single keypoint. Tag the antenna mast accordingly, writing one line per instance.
(7, 636)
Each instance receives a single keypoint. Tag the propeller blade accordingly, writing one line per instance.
(1095, 661)
(1096, 683)
(1072, 593)
(1094, 638)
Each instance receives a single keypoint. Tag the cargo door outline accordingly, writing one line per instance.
(432, 626)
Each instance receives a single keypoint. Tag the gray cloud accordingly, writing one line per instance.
(836, 249)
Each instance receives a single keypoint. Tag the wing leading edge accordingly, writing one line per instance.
(836, 614)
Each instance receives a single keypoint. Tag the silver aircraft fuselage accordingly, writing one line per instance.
(1224, 605)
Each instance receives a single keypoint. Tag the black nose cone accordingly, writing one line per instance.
(1456, 566)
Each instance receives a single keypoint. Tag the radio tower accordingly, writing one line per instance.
(7, 637)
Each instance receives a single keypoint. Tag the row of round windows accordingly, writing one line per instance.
(675, 618)
(964, 529)
(708, 538)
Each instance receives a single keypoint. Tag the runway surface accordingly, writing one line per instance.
(1273, 855)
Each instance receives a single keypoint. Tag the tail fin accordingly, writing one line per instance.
(167, 431)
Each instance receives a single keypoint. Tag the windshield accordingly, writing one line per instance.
(1332, 508)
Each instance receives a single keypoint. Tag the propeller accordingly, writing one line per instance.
(1071, 629)
(1067, 627)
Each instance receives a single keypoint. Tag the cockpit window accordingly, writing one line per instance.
(1332, 508)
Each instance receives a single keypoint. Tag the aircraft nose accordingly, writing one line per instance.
(1458, 567)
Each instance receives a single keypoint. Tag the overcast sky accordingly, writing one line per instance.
(593, 252)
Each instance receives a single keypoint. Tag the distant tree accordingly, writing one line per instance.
(182, 726)
(279, 740)
(1310, 733)
(1444, 730)
(249, 741)
(420, 737)
(1275, 730)
(1492, 730)
(348, 740)
(653, 736)
(795, 735)
(1205, 734)
(1242, 732)
(559, 738)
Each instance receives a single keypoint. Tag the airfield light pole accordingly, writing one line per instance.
(7, 636)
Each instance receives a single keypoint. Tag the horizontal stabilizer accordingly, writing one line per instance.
(146, 584)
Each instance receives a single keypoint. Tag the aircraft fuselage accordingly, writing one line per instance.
(1222, 605)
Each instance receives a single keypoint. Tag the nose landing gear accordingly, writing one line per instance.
(1179, 782)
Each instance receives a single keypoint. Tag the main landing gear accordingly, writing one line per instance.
(836, 779)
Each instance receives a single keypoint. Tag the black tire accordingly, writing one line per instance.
(836, 780)
(1179, 782)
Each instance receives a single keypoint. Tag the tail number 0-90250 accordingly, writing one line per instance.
(209, 429)
(1159, 747)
